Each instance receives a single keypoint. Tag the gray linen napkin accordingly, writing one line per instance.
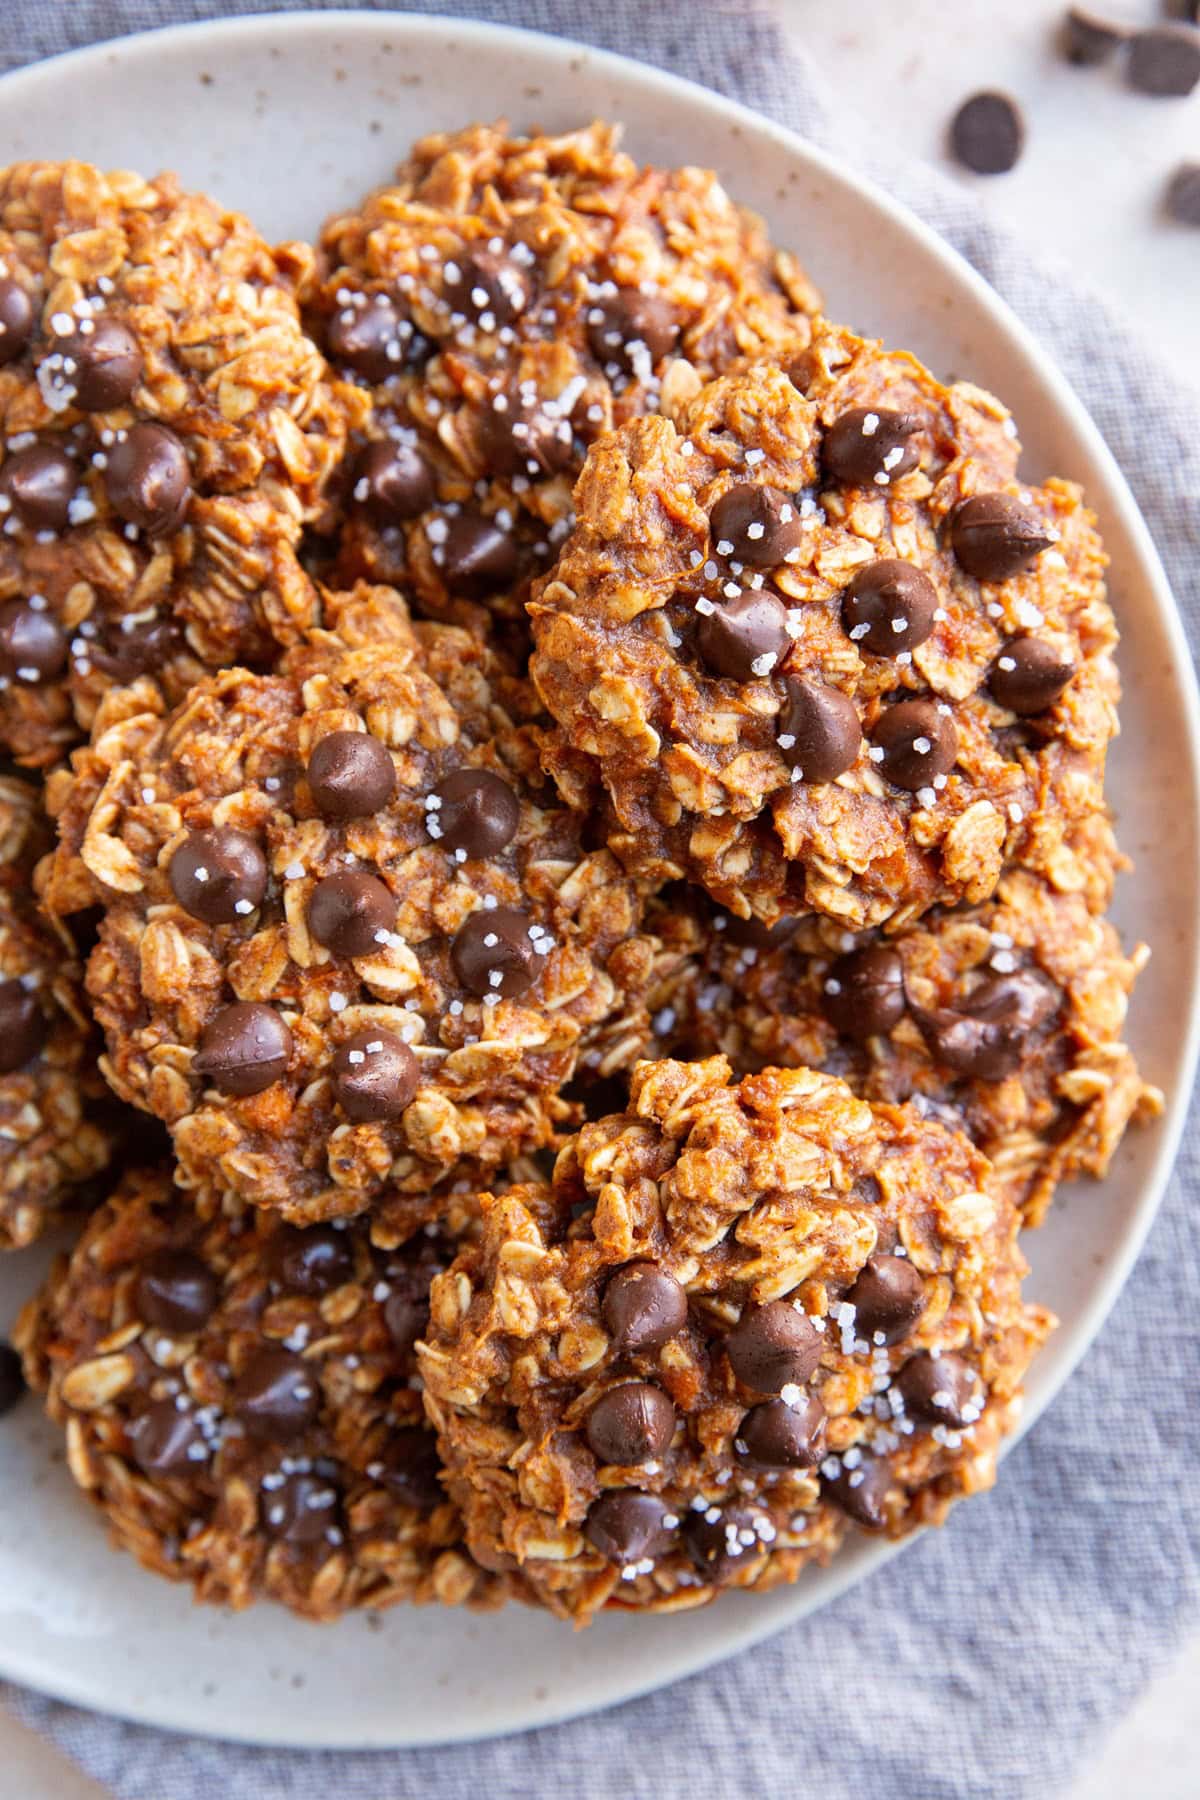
(988, 1662)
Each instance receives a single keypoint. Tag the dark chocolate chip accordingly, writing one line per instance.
(723, 1541)
(752, 934)
(995, 537)
(147, 478)
(1183, 194)
(244, 1048)
(1025, 999)
(779, 1435)
(869, 446)
(16, 319)
(755, 525)
(630, 329)
(277, 1396)
(33, 646)
(1028, 675)
(1164, 61)
(631, 1423)
(863, 993)
(986, 1037)
(743, 638)
(479, 557)
(941, 1388)
(411, 1466)
(773, 1346)
(487, 286)
(889, 607)
(310, 1261)
(474, 811)
(1088, 40)
(39, 483)
(918, 741)
(375, 1076)
(12, 1380)
(176, 1291)
(23, 1026)
(888, 1296)
(351, 913)
(219, 876)
(987, 134)
(493, 953)
(861, 1492)
(644, 1307)
(372, 335)
(166, 1440)
(129, 648)
(406, 1309)
(302, 1509)
(393, 482)
(524, 436)
(351, 775)
(628, 1527)
(103, 365)
(819, 731)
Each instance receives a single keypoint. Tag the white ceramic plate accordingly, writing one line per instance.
(290, 117)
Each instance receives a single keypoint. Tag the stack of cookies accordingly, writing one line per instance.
(552, 890)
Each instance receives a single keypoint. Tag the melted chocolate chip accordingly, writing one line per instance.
(723, 1541)
(351, 775)
(779, 1435)
(107, 364)
(277, 1396)
(406, 1309)
(888, 1296)
(487, 286)
(480, 557)
(313, 1260)
(16, 319)
(375, 1076)
(135, 647)
(524, 436)
(373, 336)
(411, 1467)
(631, 1423)
(12, 1380)
(744, 638)
(351, 913)
(474, 811)
(889, 607)
(1028, 675)
(861, 1492)
(919, 743)
(494, 953)
(630, 329)
(39, 483)
(393, 482)
(33, 647)
(819, 731)
(23, 1026)
(863, 993)
(628, 1527)
(987, 134)
(986, 1037)
(755, 525)
(176, 1292)
(165, 1440)
(302, 1509)
(994, 536)
(219, 876)
(773, 1347)
(244, 1048)
(869, 446)
(941, 1388)
(147, 478)
(644, 1307)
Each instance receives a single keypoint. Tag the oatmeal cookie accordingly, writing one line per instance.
(824, 649)
(166, 430)
(240, 1401)
(503, 302)
(347, 942)
(742, 1315)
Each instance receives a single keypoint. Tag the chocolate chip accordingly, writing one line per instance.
(941, 1388)
(411, 1466)
(16, 319)
(773, 1347)
(244, 1048)
(743, 638)
(1088, 41)
(986, 1037)
(752, 934)
(474, 811)
(524, 436)
(888, 1296)
(480, 558)
(375, 1076)
(277, 1396)
(147, 478)
(819, 732)
(1028, 675)
(372, 334)
(130, 648)
(393, 482)
(723, 1541)
(995, 536)
(861, 1491)
(782, 1435)
(12, 1381)
(644, 1307)
(310, 1261)
(494, 953)
(351, 775)
(406, 1309)
(1183, 194)
(302, 1509)
(486, 285)
(755, 525)
(176, 1292)
(107, 364)
(631, 1423)
(889, 607)
(627, 1527)
(1026, 999)
(23, 1026)
(39, 483)
(166, 1440)
(868, 446)
(33, 647)
(219, 876)
(351, 913)
(863, 993)
(1164, 61)
(987, 134)
(918, 741)
(631, 329)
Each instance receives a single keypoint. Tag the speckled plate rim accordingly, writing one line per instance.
(736, 1624)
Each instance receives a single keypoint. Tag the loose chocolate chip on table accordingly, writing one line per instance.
(1164, 61)
(861, 1491)
(176, 1291)
(277, 1396)
(410, 1467)
(819, 731)
(987, 134)
(474, 811)
(375, 1075)
(888, 1297)
(1028, 675)
(630, 327)
(1088, 40)
(244, 1048)
(941, 1388)
(644, 1307)
(12, 1381)
(219, 876)
(755, 525)
(302, 1509)
(995, 536)
(525, 437)
(631, 1423)
(107, 364)
(147, 478)
(888, 607)
(39, 483)
(406, 1309)
(16, 319)
(393, 482)
(351, 775)
(1183, 194)
(493, 953)
(310, 1261)
(628, 1527)
(22, 1026)
(869, 446)
(780, 1435)
(165, 1441)
(722, 1541)
(918, 741)
(33, 646)
(351, 913)
(743, 638)
(863, 993)
(480, 558)
(773, 1346)
(371, 335)
(487, 286)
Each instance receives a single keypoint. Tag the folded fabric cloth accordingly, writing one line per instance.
(991, 1658)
